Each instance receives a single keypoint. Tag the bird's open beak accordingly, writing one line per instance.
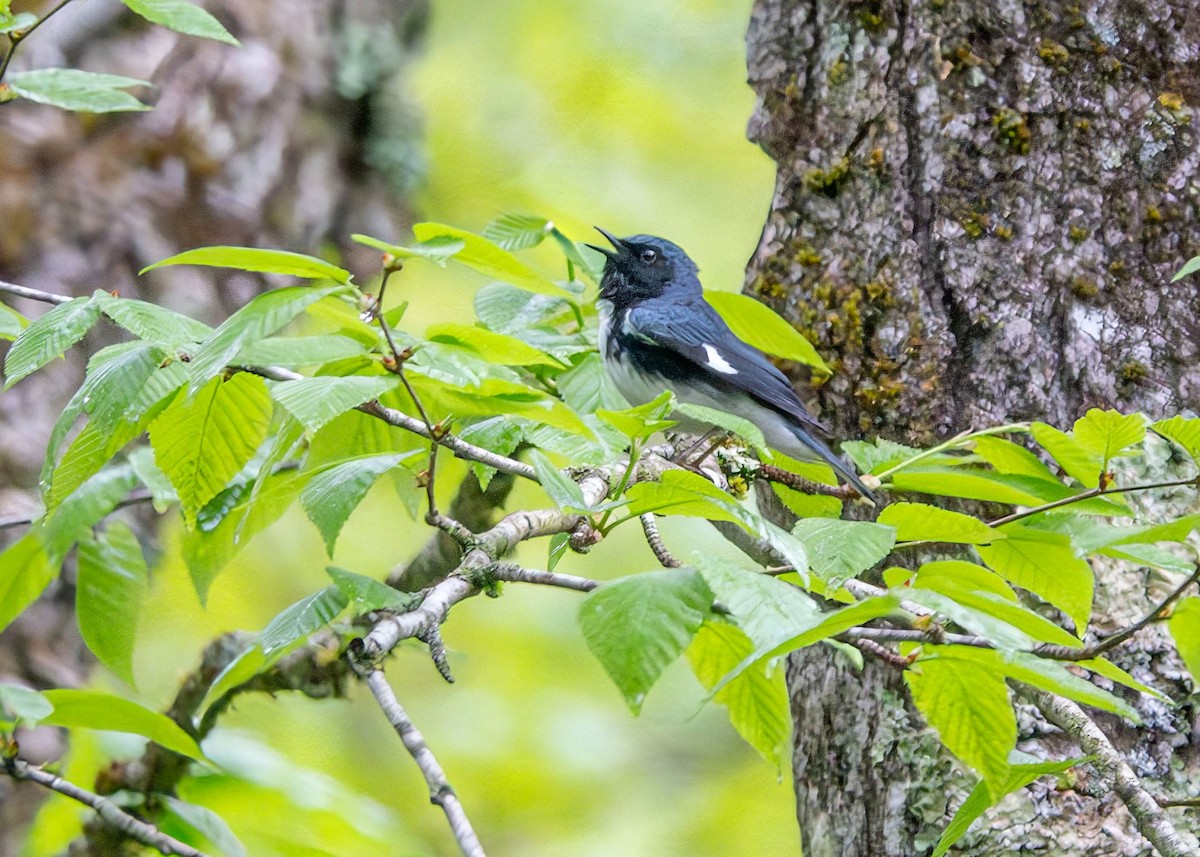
(613, 240)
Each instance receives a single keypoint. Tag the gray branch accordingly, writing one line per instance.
(113, 815)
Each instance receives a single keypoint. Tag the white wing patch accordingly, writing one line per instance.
(717, 362)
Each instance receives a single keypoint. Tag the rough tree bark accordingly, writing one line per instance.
(294, 140)
(978, 209)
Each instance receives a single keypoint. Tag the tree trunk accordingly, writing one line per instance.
(978, 209)
(294, 140)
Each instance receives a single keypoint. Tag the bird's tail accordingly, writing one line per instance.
(829, 457)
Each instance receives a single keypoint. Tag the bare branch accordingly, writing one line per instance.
(1151, 821)
(113, 815)
(32, 294)
(440, 790)
(654, 539)
(771, 473)
(510, 571)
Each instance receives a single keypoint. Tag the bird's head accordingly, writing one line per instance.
(643, 266)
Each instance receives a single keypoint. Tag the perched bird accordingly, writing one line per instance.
(657, 332)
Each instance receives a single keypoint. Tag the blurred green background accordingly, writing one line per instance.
(626, 114)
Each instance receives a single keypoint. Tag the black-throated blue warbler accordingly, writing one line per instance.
(657, 332)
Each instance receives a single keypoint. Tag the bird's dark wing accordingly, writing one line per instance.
(707, 343)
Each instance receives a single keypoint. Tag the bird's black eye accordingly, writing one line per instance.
(649, 256)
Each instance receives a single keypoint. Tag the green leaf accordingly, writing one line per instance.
(491, 346)
(969, 708)
(564, 491)
(368, 594)
(437, 250)
(113, 582)
(258, 260)
(920, 522)
(638, 625)
(499, 435)
(559, 542)
(1109, 433)
(84, 508)
(485, 257)
(1055, 677)
(1009, 457)
(317, 401)
(203, 442)
(302, 618)
(1185, 629)
(12, 323)
(21, 704)
(838, 550)
(1182, 430)
(1046, 565)
(1080, 462)
(296, 351)
(740, 426)
(807, 628)
(12, 23)
(495, 396)
(508, 309)
(757, 699)
(586, 388)
(641, 422)
(94, 709)
(681, 492)
(984, 796)
(49, 337)
(886, 454)
(182, 17)
(518, 231)
(978, 484)
(152, 322)
(257, 320)
(1190, 267)
(72, 89)
(756, 323)
(208, 824)
(331, 497)
(25, 571)
(764, 607)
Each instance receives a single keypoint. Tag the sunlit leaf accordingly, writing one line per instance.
(203, 442)
(642, 421)
(1046, 565)
(638, 625)
(113, 582)
(838, 550)
(1009, 457)
(757, 699)
(1183, 430)
(756, 323)
(1185, 629)
(25, 571)
(331, 496)
(969, 708)
(95, 709)
(302, 618)
(487, 258)
(564, 491)
(740, 426)
(296, 351)
(49, 337)
(258, 260)
(152, 322)
(258, 319)
(1108, 433)
(317, 401)
(921, 522)
(495, 347)
(12, 323)
(1079, 461)
(367, 593)
(517, 231)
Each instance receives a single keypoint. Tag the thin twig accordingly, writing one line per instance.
(32, 294)
(1118, 637)
(510, 571)
(1088, 495)
(771, 473)
(440, 790)
(1151, 821)
(883, 653)
(17, 36)
(113, 815)
(1164, 801)
(654, 539)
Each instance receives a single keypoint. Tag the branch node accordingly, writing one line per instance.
(432, 637)
(654, 539)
